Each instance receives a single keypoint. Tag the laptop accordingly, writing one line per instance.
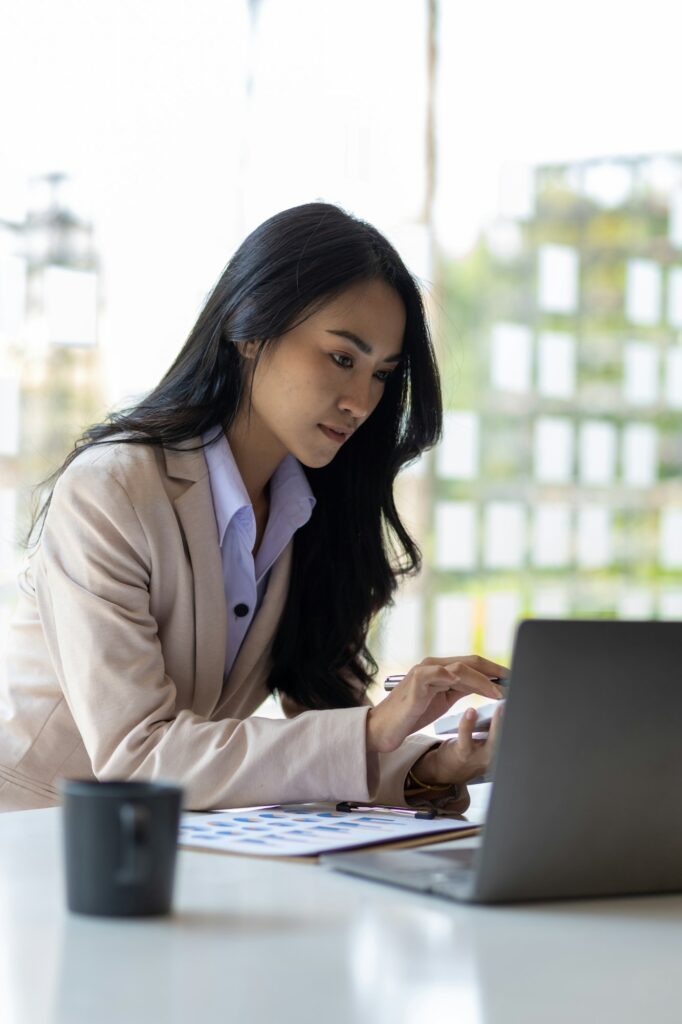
(586, 797)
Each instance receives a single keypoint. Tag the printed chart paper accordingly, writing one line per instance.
(306, 830)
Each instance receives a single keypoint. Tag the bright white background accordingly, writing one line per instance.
(147, 104)
(184, 124)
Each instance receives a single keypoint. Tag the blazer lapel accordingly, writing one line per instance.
(194, 506)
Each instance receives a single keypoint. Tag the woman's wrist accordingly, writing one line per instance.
(425, 769)
(375, 735)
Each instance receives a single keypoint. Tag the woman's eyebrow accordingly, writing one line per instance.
(362, 345)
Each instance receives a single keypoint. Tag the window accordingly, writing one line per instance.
(670, 538)
(550, 603)
(456, 535)
(640, 454)
(510, 363)
(593, 540)
(643, 292)
(454, 625)
(597, 452)
(551, 543)
(502, 612)
(556, 364)
(402, 630)
(670, 604)
(504, 535)
(640, 378)
(608, 184)
(553, 449)
(636, 603)
(557, 279)
(457, 455)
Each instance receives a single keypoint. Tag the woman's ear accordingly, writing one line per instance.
(248, 349)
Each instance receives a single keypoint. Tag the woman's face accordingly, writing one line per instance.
(320, 383)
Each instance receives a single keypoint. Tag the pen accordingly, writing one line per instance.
(348, 805)
(390, 682)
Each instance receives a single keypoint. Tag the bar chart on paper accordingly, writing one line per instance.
(307, 830)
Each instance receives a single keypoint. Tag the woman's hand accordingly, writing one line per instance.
(425, 694)
(461, 758)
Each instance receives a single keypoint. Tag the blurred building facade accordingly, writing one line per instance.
(50, 369)
(557, 487)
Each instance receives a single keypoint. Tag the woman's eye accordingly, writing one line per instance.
(346, 363)
(341, 360)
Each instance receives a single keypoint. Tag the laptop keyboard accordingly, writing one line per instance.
(446, 873)
(457, 860)
(453, 878)
(456, 877)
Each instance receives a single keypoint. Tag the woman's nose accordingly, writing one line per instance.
(357, 401)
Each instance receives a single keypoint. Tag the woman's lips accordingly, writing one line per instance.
(333, 435)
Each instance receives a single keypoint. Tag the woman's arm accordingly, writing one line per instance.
(443, 766)
(93, 572)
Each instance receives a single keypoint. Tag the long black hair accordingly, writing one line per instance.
(348, 558)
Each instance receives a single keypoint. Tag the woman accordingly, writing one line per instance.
(232, 535)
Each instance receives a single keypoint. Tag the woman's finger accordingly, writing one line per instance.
(436, 678)
(457, 676)
(495, 727)
(475, 661)
(465, 739)
(470, 680)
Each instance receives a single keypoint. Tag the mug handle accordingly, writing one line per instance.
(133, 819)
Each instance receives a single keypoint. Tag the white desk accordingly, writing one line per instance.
(254, 941)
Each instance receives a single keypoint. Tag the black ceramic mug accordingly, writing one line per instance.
(120, 841)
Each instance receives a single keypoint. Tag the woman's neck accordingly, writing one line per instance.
(256, 459)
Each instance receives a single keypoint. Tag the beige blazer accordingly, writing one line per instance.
(117, 650)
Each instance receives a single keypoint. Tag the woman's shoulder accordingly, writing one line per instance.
(117, 457)
(138, 467)
(106, 490)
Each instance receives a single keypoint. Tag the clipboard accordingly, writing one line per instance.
(303, 832)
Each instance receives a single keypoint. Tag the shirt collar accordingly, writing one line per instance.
(291, 497)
